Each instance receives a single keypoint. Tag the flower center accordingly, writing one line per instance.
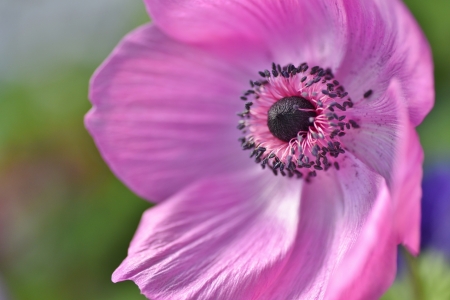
(295, 121)
(288, 116)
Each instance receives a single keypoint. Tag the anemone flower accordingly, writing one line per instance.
(436, 210)
(327, 95)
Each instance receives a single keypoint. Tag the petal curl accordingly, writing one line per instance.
(407, 191)
(221, 238)
(369, 268)
(385, 128)
(367, 43)
(248, 237)
(163, 113)
(282, 31)
(339, 204)
(377, 140)
(387, 45)
(394, 220)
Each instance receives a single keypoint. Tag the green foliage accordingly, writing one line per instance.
(71, 219)
(430, 281)
(433, 18)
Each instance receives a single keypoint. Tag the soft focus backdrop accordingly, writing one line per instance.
(65, 220)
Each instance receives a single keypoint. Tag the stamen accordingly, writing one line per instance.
(294, 123)
(368, 94)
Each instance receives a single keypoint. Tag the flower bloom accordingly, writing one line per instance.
(327, 95)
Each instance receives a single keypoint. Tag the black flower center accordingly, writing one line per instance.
(289, 116)
(304, 128)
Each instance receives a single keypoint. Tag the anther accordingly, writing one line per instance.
(314, 70)
(277, 165)
(368, 94)
(305, 121)
(354, 124)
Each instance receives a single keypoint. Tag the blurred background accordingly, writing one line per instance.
(66, 221)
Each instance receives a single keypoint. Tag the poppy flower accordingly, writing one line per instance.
(325, 96)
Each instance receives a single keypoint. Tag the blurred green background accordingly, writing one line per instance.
(65, 220)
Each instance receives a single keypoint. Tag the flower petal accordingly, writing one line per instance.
(369, 268)
(388, 44)
(334, 209)
(282, 31)
(377, 140)
(407, 190)
(388, 144)
(394, 219)
(162, 114)
(385, 126)
(248, 237)
(221, 238)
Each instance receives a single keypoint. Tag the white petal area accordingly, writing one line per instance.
(394, 219)
(369, 268)
(245, 237)
(381, 120)
(335, 207)
(407, 189)
(221, 238)
(280, 31)
(366, 43)
(387, 45)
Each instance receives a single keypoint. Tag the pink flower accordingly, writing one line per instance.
(335, 113)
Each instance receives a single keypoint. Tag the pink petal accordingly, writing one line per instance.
(416, 59)
(407, 191)
(367, 42)
(379, 143)
(369, 268)
(388, 45)
(376, 141)
(163, 113)
(221, 238)
(333, 212)
(248, 237)
(282, 31)
(394, 219)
